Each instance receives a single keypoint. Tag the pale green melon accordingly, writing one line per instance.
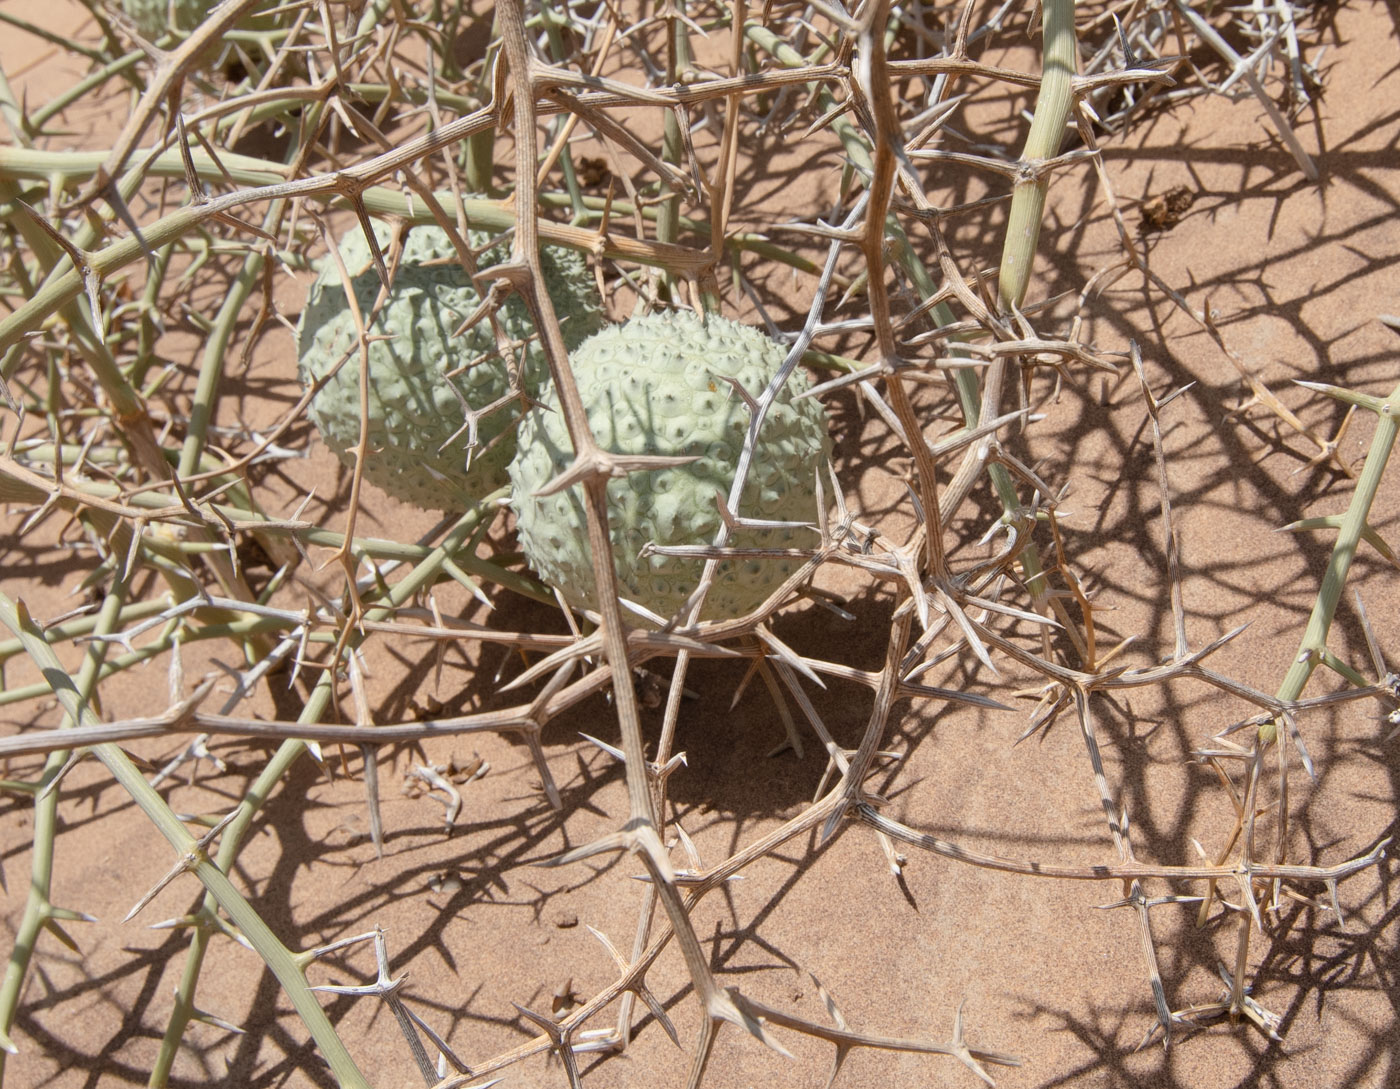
(656, 386)
(154, 17)
(418, 447)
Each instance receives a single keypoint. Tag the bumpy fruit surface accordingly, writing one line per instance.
(657, 386)
(415, 410)
(154, 17)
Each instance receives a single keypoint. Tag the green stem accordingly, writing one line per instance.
(374, 547)
(78, 90)
(148, 333)
(282, 760)
(38, 909)
(1052, 108)
(1313, 647)
(964, 379)
(65, 284)
(672, 148)
(67, 44)
(211, 367)
(86, 625)
(27, 164)
(481, 146)
(553, 23)
(239, 629)
(221, 890)
(127, 406)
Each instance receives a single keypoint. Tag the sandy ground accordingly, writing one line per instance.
(1296, 275)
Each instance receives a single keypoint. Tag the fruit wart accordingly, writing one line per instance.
(656, 386)
(415, 410)
(154, 17)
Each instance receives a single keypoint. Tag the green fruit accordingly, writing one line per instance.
(417, 438)
(656, 385)
(154, 17)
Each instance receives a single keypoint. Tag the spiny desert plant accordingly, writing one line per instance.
(636, 139)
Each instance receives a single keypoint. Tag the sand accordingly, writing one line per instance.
(1295, 275)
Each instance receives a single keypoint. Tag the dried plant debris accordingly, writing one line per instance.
(1165, 210)
(833, 400)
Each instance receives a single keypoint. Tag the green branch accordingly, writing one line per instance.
(284, 966)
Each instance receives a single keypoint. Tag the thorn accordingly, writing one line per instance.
(551, 790)
(69, 915)
(73, 761)
(186, 862)
(81, 264)
(207, 1018)
(787, 655)
(559, 1040)
(611, 750)
(118, 204)
(51, 925)
(617, 841)
(309, 955)
(444, 1052)
(640, 989)
(688, 845)
(376, 254)
(1130, 60)
(829, 828)
(962, 1052)
(1336, 904)
(894, 858)
(729, 1005)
